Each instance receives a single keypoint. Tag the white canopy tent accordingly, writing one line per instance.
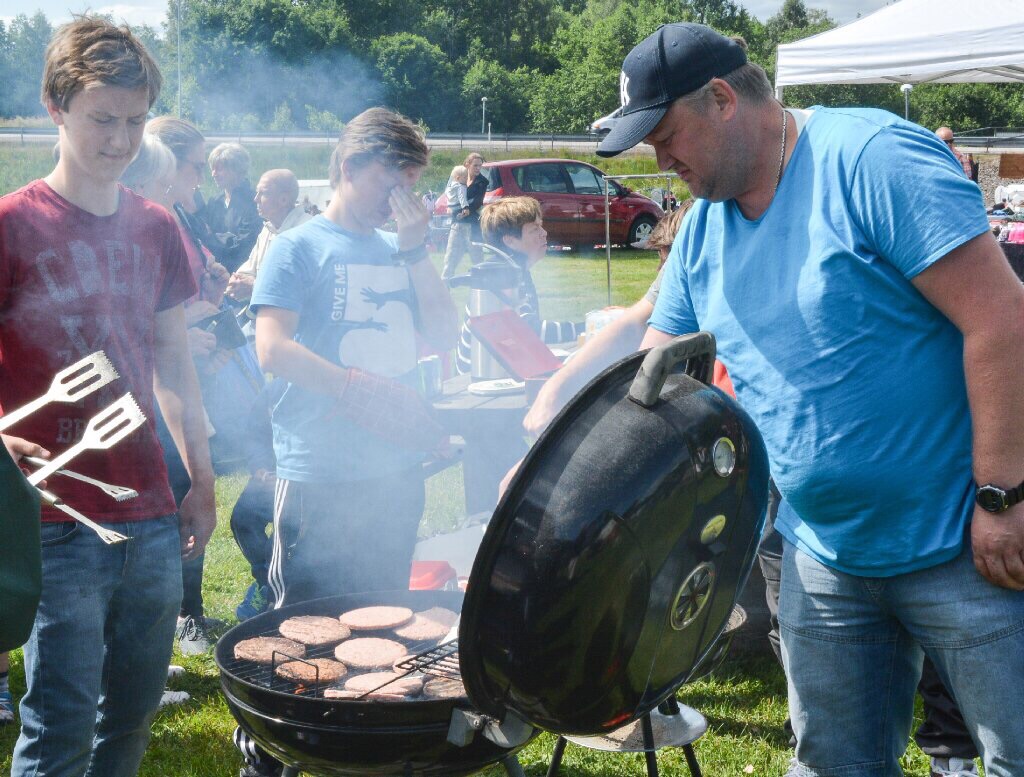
(913, 42)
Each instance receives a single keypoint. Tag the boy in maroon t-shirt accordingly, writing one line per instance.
(86, 265)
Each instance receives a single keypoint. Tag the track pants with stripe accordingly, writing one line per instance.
(339, 538)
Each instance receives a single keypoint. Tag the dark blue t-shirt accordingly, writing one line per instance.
(355, 309)
(854, 379)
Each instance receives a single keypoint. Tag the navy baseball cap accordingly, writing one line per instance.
(675, 60)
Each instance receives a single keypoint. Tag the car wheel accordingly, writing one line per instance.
(641, 230)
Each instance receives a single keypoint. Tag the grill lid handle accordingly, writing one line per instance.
(697, 350)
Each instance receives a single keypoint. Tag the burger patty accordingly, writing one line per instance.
(444, 688)
(324, 670)
(428, 626)
(376, 618)
(369, 652)
(261, 649)
(386, 682)
(314, 630)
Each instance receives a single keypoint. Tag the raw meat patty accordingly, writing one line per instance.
(299, 672)
(314, 630)
(261, 649)
(376, 618)
(369, 652)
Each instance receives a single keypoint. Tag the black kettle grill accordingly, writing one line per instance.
(606, 575)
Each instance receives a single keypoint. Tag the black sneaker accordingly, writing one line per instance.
(193, 636)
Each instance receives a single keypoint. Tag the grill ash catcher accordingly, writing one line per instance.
(606, 579)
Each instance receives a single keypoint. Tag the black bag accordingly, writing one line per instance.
(21, 572)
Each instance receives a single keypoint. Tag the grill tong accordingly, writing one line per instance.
(120, 493)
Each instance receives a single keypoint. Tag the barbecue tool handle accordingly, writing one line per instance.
(10, 419)
(53, 465)
(697, 350)
(117, 492)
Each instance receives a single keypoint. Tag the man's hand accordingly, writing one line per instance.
(19, 448)
(199, 310)
(214, 281)
(998, 541)
(544, 408)
(215, 362)
(410, 216)
(197, 518)
(201, 344)
(240, 286)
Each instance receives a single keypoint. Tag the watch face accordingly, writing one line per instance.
(992, 499)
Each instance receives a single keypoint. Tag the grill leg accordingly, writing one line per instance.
(556, 757)
(691, 760)
(649, 753)
(512, 767)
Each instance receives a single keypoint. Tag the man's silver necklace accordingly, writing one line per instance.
(782, 151)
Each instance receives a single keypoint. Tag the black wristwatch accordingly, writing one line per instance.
(996, 500)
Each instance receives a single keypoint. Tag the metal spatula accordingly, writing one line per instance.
(109, 536)
(106, 428)
(69, 385)
(120, 493)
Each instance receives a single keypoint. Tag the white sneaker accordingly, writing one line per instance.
(171, 698)
(953, 767)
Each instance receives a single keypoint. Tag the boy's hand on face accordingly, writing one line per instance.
(410, 215)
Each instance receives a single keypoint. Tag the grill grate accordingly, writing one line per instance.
(441, 661)
(438, 661)
(265, 675)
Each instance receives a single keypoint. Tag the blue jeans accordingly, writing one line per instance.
(96, 661)
(852, 648)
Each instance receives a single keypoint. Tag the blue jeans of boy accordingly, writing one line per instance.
(96, 661)
(853, 651)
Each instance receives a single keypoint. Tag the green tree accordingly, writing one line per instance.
(27, 38)
(418, 80)
(591, 49)
(322, 121)
(507, 93)
(282, 120)
(250, 56)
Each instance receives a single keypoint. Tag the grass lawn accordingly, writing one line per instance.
(744, 703)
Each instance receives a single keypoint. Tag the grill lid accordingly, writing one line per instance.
(613, 561)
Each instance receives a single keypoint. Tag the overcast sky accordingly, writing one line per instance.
(152, 11)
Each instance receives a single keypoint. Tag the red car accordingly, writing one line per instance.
(571, 197)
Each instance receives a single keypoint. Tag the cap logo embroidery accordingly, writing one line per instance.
(623, 88)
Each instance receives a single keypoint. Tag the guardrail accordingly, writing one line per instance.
(463, 138)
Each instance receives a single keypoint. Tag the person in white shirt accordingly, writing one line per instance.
(277, 195)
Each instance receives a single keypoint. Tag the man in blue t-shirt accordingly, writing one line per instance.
(875, 332)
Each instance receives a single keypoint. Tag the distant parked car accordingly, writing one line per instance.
(604, 125)
(571, 197)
